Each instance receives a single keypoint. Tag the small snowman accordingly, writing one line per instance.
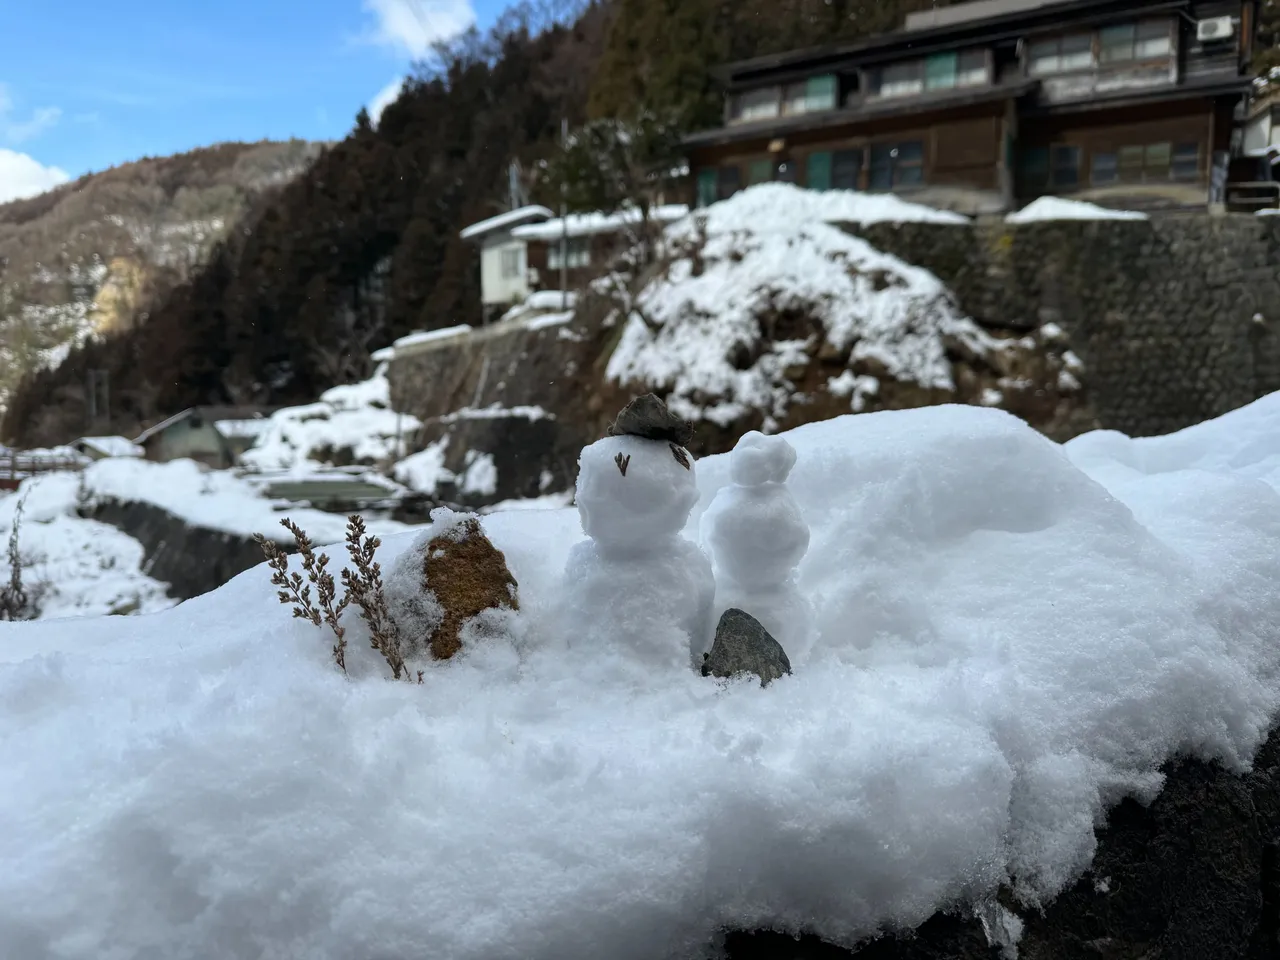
(636, 584)
(757, 538)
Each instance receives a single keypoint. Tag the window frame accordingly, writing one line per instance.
(767, 98)
(895, 165)
(509, 263)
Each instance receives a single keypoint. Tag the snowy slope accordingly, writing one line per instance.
(701, 331)
(1011, 636)
(82, 567)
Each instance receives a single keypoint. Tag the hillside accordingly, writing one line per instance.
(91, 256)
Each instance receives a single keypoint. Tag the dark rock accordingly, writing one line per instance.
(743, 645)
(1195, 875)
(649, 417)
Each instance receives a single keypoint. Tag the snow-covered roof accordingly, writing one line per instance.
(111, 446)
(427, 336)
(587, 224)
(504, 221)
(241, 428)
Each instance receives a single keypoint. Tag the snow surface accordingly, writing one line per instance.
(768, 249)
(588, 224)
(1060, 208)
(83, 568)
(112, 446)
(353, 419)
(430, 336)
(1010, 635)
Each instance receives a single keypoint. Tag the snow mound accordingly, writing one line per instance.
(1060, 208)
(352, 423)
(82, 568)
(698, 330)
(1009, 636)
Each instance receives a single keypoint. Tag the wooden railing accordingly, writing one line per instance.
(16, 466)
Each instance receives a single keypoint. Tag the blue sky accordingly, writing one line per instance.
(85, 85)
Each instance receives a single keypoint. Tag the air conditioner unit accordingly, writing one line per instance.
(1215, 28)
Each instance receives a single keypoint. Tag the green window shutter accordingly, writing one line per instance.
(820, 92)
(759, 171)
(940, 71)
(817, 173)
(707, 182)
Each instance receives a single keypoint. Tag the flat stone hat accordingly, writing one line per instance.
(649, 417)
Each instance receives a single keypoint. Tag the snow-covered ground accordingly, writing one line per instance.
(351, 422)
(1009, 636)
(80, 568)
(771, 251)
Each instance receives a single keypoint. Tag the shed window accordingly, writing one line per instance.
(579, 254)
(510, 264)
(846, 165)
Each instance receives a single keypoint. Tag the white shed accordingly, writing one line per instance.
(504, 265)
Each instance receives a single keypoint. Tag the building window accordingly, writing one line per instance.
(817, 173)
(810, 96)
(901, 79)
(786, 171)
(1060, 54)
(1135, 41)
(759, 171)
(1104, 169)
(510, 264)
(708, 182)
(730, 182)
(579, 250)
(1064, 170)
(759, 104)
(896, 165)
(1186, 162)
(846, 167)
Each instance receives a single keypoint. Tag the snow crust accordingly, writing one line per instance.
(1060, 208)
(771, 250)
(1010, 635)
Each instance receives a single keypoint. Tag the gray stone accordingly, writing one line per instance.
(743, 645)
(649, 417)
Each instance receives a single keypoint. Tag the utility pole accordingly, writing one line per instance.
(564, 223)
(98, 387)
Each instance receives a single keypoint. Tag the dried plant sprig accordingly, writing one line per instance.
(364, 586)
(294, 591)
(15, 602)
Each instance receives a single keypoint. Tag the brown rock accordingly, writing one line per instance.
(468, 576)
(649, 417)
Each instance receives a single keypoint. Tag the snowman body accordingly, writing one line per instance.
(757, 537)
(636, 584)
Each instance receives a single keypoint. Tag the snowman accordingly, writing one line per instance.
(757, 538)
(636, 584)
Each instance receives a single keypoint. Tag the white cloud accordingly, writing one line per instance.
(384, 98)
(412, 26)
(15, 130)
(24, 176)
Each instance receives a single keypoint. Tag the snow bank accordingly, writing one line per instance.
(1060, 208)
(353, 421)
(217, 499)
(1010, 635)
(768, 251)
(82, 568)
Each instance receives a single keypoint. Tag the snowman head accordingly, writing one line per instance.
(757, 460)
(634, 492)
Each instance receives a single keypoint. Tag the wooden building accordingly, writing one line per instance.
(986, 105)
(215, 436)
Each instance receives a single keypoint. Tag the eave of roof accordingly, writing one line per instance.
(921, 40)
(866, 112)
